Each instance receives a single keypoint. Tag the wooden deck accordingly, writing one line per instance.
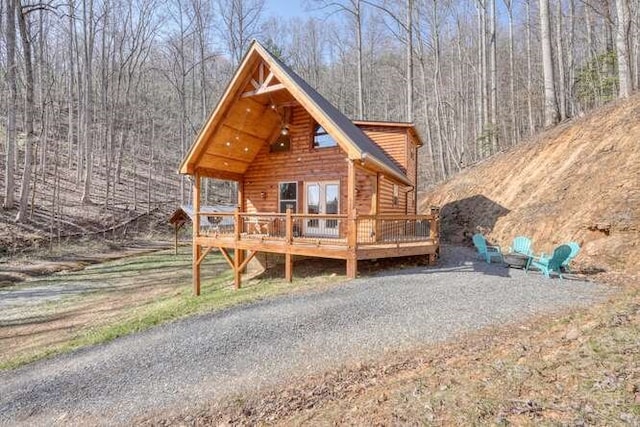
(352, 238)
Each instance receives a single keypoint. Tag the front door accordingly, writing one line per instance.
(322, 198)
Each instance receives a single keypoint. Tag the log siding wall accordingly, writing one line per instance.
(304, 163)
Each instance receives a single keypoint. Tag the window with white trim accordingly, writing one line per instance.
(288, 197)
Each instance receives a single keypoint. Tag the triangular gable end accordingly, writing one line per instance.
(239, 124)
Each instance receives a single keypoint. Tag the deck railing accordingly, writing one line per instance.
(320, 229)
(383, 229)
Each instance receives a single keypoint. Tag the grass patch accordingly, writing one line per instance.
(146, 291)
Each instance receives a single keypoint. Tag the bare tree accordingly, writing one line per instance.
(353, 9)
(28, 114)
(512, 77)
(551, 116)
(622, 48)
(12, 103)
(493, 72)
(89, 36)
(240, 23)
(562, 91)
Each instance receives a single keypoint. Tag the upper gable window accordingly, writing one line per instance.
(321, 139)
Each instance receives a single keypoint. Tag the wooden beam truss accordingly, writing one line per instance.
(263, 85)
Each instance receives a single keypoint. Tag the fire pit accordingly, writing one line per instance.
(516, 260)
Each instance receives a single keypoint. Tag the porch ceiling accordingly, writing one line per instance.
(248, 124)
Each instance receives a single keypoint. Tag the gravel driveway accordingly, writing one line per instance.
(204, 357)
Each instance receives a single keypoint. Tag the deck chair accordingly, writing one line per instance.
(575, 249)
(485, 251)
(548, 265)
(521, 245)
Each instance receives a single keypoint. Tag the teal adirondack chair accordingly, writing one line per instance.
(548, 265)
(521, 245)
(575, 249)
(485, 251)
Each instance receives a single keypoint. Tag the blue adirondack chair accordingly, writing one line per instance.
(485, 251)
(575, 248)
(521, 245)
(549, 265)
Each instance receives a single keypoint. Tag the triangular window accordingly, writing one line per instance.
(321, 139)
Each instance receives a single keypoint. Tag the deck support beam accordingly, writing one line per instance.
(288, 267)
(237, 275)
(196, 229)
(288, 257)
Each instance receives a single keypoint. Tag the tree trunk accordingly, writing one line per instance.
(409, 59)
(12, 103)
(493, 78)
(532, 127)
(551, 116)
(560, 57)
(28, 115)
(358, 18)
(89, 37)
(484, 96)
(515, 134)
(622, 48)
(71, 90)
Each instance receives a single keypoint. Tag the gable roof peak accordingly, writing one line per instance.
(349, 136)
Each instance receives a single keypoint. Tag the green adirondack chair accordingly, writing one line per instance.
(485, 251)
(575, 249)
(549, 265)
(521, 245)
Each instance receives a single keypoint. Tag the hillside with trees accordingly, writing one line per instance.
(102, 98)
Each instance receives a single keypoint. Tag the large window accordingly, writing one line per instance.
(321, 139)
(288, 197)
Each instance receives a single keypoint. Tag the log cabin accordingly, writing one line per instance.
(311, 182)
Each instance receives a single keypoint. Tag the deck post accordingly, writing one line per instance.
(375, 208)
(241, 208)
(175, 229)
(434, 224)
(237, 274)
(352, 245)
(352, 232)
(288, 257)
(196, 232)
(237, 279)
(434, 232)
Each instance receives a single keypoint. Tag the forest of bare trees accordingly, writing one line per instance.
(103, 89)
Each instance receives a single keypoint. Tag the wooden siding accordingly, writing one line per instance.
(302, 163)
(385, 191)
(412, 174)
(392, 140)
(399, 144)
(364, 191)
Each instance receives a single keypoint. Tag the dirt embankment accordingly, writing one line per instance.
(577, 182)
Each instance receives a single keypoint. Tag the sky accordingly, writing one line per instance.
(286, 8)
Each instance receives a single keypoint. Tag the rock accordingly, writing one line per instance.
(572, 334)
(628, 418)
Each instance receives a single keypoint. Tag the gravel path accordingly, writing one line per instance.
(260, 344)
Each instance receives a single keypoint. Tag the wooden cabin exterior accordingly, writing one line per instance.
(310, 181)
